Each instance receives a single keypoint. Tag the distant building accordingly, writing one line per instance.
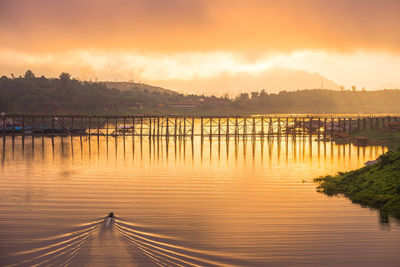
(137, 105)
(183, 105)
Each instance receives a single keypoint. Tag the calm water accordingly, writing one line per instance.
(182, 203)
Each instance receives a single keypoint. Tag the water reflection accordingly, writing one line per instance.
(159, 149)
(237, 201)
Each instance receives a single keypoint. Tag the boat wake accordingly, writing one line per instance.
(112, 241)
(166, 250)
(55, 250)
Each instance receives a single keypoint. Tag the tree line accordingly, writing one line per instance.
(65, 95)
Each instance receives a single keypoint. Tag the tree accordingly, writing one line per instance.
(65, 76)
(29, 75)
(263, 93)
(254, 95)
(353, 88)
(244, 96)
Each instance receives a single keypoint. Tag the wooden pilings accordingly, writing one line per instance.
(182, 126)
(227, 127)
(167, 128)
(33, 129)
(192, 133)
(4, 125)
(89, 125)
(262, 126)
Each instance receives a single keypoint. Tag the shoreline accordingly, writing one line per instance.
(376, 185)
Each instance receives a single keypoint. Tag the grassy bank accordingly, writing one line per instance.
(376, 186)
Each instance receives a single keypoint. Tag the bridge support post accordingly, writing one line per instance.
(184, 126)
(245, 126)
(90, 118)
(350, 128)
(141, 127)
(167, 127)
(116, 127)
(133, 126)
(82, 127)
(150, 127)
(219, 128)
(254, 127)
(124, 127)
(107, 126)
(158, 127)
(192, 128)
(262, 127)
(227, 127)
(201, 127)
(52, 125)
(211, 122)
(175, 126)
(98, 126)
(236, 128)
(33, 126)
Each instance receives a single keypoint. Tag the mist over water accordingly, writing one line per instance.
(183, 202)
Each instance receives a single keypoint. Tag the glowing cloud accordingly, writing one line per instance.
(171, 41)
(187, 25)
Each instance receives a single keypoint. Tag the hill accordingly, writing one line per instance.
(64, 95)
(132, 86)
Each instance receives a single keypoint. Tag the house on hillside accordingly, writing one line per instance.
(183, 105)
(137, 105)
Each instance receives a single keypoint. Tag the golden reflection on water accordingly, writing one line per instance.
(243, 201)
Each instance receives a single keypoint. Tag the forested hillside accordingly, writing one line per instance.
(64, 95)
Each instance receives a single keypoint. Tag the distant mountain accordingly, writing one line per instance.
(132, 86)
(272, 80)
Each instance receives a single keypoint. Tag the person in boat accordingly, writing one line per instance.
(109, 218)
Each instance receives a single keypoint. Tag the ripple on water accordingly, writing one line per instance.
(180, 203)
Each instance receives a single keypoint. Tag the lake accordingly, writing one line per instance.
(184, 202)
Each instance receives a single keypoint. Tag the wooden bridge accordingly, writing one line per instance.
(174, 126)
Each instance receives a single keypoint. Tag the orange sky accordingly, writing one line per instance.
(227, 35)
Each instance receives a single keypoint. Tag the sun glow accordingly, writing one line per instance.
(158, 42)
(345, 69)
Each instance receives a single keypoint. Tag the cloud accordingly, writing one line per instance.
(192, 71)
(165, 26)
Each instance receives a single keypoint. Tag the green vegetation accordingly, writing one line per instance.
(64, 95)
(381, 137)
(132, 86)
(376, 185)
